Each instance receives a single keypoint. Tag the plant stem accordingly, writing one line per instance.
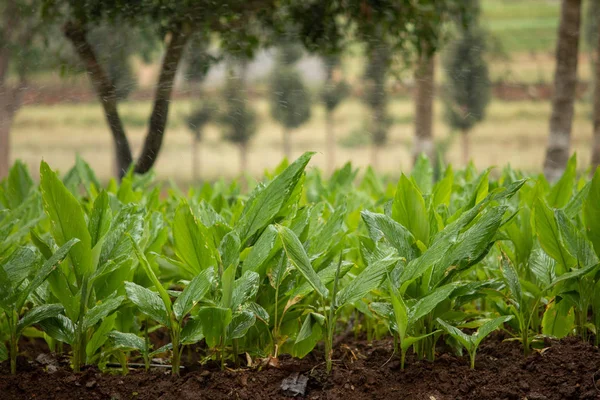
(402, 357)
(331, 319)
(176, 358)
(147, 346)
(472, 356)
(79, 342)
(236, 352)
(14, 346)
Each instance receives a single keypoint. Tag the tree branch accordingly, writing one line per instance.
(104, 89)
(162, 100)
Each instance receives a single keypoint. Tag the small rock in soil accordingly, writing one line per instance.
(294, 385)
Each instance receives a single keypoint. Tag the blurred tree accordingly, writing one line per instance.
(333, 93)
(290, 100)
(238, 118)
(199, 61)
(565, 84)
(467, 91)
(424, 70)
(21, 36)
(375, 95)
(592, 40)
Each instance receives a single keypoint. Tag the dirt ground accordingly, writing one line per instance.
(567, 369)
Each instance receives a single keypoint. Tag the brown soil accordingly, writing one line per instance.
(567, 369)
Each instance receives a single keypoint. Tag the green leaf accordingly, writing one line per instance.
(230, 249)
(47, 268)
(100, 311)
(591, 212)
(558, 319)
(100, 218)
(100, 336)
(193, 293)
(400, 312)
(422, 174)
(17, 267)
(261, 210)
(542, 266)
(192, 332)
(60, 328)
(410, 340)
(215, 321)
(261, 252)
(67, 220)
(410, 211)
(244, 289)
(546, 229)
(561, 192)
(425, 305)
(148, 302)
(38, 314)
(488, 328)
(298, 257)
(443, 189)
(240, 324)
(192, 240)
(457, 334)
(380, 225)
(369, 279)
(19, 185)
(127, 341)
(511, 278)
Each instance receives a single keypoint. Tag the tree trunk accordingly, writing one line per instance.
(287, 144)
(331, 145)
(195, 158)
(565, 83)
(425, 86)
(162, 100)
(595, 163)
(466, 145)
(105, 90)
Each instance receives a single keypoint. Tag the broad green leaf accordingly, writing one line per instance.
(260, 211)
(298, 257)
(38, 314)
(591, 212)
(100, 311)
(546, 229)
(488, 328)
(409, 341)
(410, 211)
(460, 336)
(561, 192)
(19, 185)
(215, 321)
(422, 174)
(244, 289)
(369, 279)
(327, 275)
(230, 249)
(67, 220)
(380, 225)
(576, 203)
(192, 242)
(60, 328)
(558, 319)
(100, 336)
(425, 305)
(127, 341)
(240, 324)
(443, 189)
(511, 278)
(576, 244)
(44, 271)
(262, 250)
(542, 266)
(310, 334)
(334, 225)
(148, 302)
(100, 218)
(192, 332)
(194, 292)
(17, 266)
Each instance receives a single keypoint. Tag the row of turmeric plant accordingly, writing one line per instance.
(441, 256)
